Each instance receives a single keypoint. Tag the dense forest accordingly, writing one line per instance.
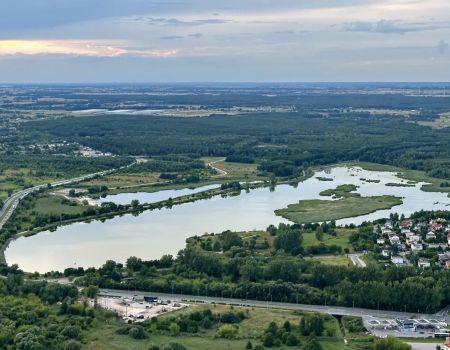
(282, 143)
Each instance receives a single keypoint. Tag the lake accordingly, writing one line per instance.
(164, 231)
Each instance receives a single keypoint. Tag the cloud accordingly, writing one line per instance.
(174, 22)
(385, 26)
(171, 37)
(90, 48)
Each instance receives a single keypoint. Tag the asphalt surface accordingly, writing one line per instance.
(356, 260)
(333, 310)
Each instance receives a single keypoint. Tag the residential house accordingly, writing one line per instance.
(423, 263)
(406, 224)
(381, 241)
(416, 247)
(386, 253)
(397, 260)
(431, 235)
(394, 239)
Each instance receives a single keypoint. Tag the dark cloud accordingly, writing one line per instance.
(393, 26)
(171, 37)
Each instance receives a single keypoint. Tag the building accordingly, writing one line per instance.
(423, 263)
(431, 235)
(406, 224)
(397, 260)
(380, 241)
(394, 240)
(416, 247)
(386, 253)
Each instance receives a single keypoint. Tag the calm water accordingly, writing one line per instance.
(154, 233)
(153, 197)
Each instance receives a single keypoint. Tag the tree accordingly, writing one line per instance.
(230, 239)
(269, 339)
(288, 239)
(312, 325)
(249, 345)
(174, 329)
(91, 292)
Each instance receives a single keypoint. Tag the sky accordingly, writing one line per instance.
(87, 41)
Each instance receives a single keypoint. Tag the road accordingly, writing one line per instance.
(11, 203)
(356, 260)
(334, 310)
(220, 172)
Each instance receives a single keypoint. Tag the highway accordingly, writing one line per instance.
(333, 310)
(11, 203)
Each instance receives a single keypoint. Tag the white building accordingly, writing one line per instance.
(394, 240)
(431, 235)
(423, 263)
(416, 247)
(397, 260)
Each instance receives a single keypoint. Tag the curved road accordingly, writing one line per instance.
(220, 172)
(11, 203)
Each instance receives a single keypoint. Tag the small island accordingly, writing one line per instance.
(349, 204)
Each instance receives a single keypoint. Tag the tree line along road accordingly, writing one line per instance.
(326, 309)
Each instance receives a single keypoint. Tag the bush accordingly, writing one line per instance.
(227, 331)
(174, 346)
(71, 332)
(268, 340)
(138, 332)
(154, 347)
(72, 345)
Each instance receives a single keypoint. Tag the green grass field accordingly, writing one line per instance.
(53, 204)
(333, 260)
(307, 211)
(241, 171)
(341, 238)
(18, 179)
(103, 337)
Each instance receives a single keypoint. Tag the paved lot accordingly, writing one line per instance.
(423, 346)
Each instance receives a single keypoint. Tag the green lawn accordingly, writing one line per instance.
(341, 238)
(307, 211)
(53, 204)
(333, 260)
(103, 337)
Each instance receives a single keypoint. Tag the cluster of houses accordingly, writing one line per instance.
(406, 243)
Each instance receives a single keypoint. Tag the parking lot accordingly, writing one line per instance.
(138, 310)
(411, 328)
